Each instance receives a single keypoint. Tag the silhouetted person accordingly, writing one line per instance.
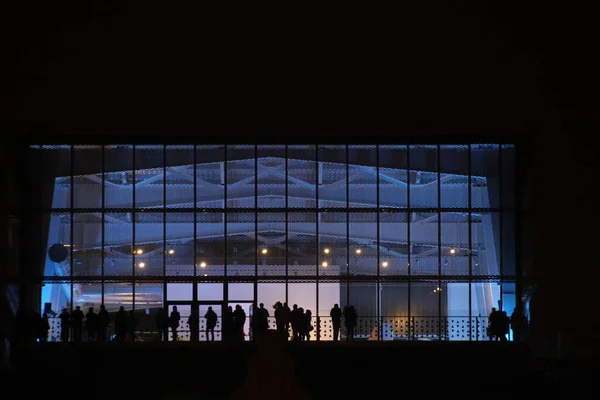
(492, 327)
(65, 325)
(239, 320)
(278, 314)
(91, 324)
(336, 321)
(307, 324)
(77, 321)
(287, 317)
(350, 320)
(121, 324)
(211, 322)
(262, 319)
(193, 323)
(518, 324)
(162, 324)
(174, 319)
(132, 324)
(300, 323)
(228, 328)
(504, 327)
(295, 322)
(103, 321)
(44, 328)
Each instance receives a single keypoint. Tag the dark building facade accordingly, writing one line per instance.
(89, 79)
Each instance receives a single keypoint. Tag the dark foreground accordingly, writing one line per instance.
(307, 370)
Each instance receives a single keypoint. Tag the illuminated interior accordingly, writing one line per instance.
(398, 231)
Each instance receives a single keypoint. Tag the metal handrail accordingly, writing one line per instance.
(473, 328)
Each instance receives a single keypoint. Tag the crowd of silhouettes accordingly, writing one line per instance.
(500, 324)
(96, 324)
(295, 323)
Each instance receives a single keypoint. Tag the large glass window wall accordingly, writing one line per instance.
(420, 239)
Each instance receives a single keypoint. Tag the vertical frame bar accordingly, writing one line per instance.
(501, 215)
(287, 231)
(102, 223)
(439, 237)
(133, 227)
(164, 221)
(225, 215)
(193, 335)
(347, 225)
(518, 201)
(318, 241)
(255, 280)
(408, 241)
(379, 317)
(470, 233)
(71, 234)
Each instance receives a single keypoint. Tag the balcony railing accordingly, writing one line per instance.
(385, 328)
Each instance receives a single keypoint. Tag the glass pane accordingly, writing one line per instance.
(118, 176)
(457, 325)
(148, 296)
(423, 176)
(149, 176)
(485, 232)
(364, 298)
(271, 244)
(118, 244)
(332, 176)
(427, 300)
(117, 295)
(179, 251)
(333, 243)
(272, 176)
(210, 246)
(302, 244)
(59, 246)
(87, 176)
(87, 244)
(455, 245)
(179, 291)
(363, 243)
(210, 176)
(269, 294)
(210, 292)
(424, 244)
(241, 291)
(183, 332)
(362, 177)
(54, 298)
(179, 182)
(454, 176)
(393, 243)
(241, 176)
(242, 253)
(207, 335)
(393, 176)
(304, 295)
(485, 179)
(484, 295)
(302, 176)
(149, 255)
(394, 311)
(329, 295)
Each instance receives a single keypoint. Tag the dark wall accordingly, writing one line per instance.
(474, 71)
